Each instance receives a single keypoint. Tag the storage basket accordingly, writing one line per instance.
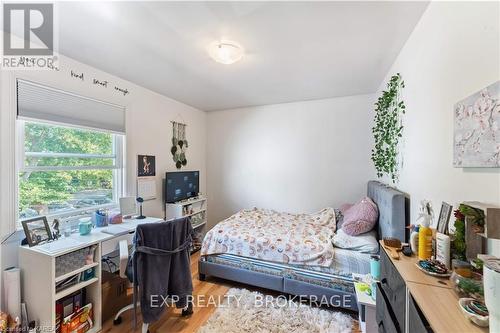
(74, 260)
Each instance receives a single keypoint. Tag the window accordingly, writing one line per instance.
(67, 169)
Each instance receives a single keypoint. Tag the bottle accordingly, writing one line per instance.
(425, 239)
(443, 249)
(414, 239)
(375, 267)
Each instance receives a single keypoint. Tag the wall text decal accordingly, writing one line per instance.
(100, 83)
(77, 76)
(124, 91)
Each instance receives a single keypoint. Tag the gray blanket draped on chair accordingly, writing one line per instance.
(161, 266)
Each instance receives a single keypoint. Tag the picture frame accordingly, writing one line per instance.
(444, 218)
(37, 230)
(146, 166)
(477, 148)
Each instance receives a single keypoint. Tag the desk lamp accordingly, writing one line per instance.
(140, 201)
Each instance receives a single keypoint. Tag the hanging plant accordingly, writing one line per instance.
(179, 144)
(388, 129)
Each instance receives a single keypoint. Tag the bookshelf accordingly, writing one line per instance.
(43, 267)
(40, 278)
(195, 209)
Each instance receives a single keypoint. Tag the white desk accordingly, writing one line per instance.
(38, 267)
(109, 242)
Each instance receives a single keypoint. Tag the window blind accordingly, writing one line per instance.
(35, 101)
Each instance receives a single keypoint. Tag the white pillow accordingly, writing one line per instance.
(366, 242)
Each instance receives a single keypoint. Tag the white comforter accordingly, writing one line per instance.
(303, 239)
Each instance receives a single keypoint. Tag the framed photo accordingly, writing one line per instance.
(37, 230)
(146, 166)
(472, 147)
(444, 218)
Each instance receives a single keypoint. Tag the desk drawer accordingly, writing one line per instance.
(386, 320)
(112, 245)
(416, 319)
(394, 288)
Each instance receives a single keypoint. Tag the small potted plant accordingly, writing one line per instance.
(474, 216)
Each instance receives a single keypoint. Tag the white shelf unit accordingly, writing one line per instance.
(68, 291)
(195, 208)
(39, 285)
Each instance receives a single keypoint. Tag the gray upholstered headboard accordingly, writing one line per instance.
(393, 207)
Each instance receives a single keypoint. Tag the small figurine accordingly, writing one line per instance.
(55, 229)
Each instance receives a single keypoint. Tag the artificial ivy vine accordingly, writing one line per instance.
(388, 128)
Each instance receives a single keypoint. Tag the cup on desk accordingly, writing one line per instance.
(100, 218)
(375, 267)
(85, 226)
(67, 230)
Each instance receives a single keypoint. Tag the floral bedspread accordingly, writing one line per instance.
(304, 239)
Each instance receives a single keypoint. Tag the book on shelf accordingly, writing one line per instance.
(68, 305)
(79, 321)
(74, 279)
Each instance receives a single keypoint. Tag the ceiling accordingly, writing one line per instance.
(294, 51)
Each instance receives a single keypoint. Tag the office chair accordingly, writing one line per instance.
(126, 271)
(124, 258)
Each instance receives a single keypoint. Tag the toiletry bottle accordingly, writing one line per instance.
(414, 239)
(443, 249)
(425, 239)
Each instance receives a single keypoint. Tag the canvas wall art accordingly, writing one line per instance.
(477, 129)
(146, 166)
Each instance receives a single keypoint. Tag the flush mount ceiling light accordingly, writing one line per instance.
(225, 52)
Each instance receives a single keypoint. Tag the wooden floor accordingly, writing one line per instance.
(172, 321)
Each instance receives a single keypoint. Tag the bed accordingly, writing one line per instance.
(332, 280)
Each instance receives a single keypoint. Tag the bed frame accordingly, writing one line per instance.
(393, 219)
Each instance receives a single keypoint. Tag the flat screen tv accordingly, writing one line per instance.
(181, 185)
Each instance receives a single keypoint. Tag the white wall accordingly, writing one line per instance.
(148, 131)
(296, 157)
(452, 53)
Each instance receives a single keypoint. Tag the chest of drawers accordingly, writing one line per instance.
(410, 301)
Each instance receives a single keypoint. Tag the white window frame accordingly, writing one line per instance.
(118, 176)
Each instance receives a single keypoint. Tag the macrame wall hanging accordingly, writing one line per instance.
(179, 144)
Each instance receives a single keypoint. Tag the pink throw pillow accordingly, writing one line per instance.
(360, 218)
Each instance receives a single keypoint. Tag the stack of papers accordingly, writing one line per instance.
(115, 230)
(59, 245)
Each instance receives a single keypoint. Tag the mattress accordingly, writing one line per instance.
(344, 264)
(338, 276)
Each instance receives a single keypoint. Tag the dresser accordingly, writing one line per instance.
(410, 301)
